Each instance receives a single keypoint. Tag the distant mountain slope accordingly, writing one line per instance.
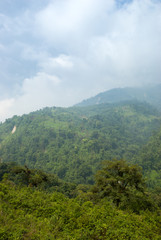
(149, 158)
(72, 142)
(151, 95)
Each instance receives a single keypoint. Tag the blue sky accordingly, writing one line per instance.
(59, 52)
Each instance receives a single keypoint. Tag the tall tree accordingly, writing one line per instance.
(120, 182)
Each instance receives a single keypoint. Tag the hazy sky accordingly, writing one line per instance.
(59, 52)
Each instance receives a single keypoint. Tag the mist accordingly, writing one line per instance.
(57, 53)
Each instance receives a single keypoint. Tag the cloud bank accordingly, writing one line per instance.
(58, 52)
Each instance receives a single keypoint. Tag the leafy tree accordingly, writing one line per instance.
(121, 182)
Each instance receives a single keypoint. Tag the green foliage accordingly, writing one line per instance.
(149, 158)
(123, 184)
(23, 176)
(72, 142)
(31, 214)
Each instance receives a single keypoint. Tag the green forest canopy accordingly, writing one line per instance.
(73, 142)
(32, 209)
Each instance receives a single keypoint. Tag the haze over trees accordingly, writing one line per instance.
(150, 94)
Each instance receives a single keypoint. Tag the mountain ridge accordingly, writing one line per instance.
(150, 94)
(72, 142)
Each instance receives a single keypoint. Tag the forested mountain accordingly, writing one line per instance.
(72, 142)
(149, 158)
(151, 94)
(81, 202)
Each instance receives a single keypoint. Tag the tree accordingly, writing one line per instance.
(119, 181)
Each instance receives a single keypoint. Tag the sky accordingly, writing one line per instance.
(60, 52)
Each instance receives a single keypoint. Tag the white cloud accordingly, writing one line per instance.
(71, 22)
(75, 49)
(5, 106)
(123, 43)
(36, 92)
(62, 62)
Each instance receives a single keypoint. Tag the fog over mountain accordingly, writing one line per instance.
(57, 53)
(149, 94)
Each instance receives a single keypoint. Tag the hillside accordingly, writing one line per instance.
(37, 205)
(72, 142)
(150, 94)
(33, 214)
(149, 158)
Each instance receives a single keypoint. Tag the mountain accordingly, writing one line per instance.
(151, 94)
(149, 158)
(72, 142)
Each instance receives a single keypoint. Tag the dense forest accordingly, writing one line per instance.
(73, 142)
(89, 172)
(37, 205)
